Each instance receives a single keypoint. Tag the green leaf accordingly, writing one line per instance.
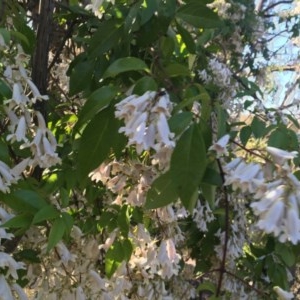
(108, 219)
(5, 91)
(212, 177)
(167, 46)
(20, 221)
(222, 117)
(56, 233)
(188, 164)
(113, 258)
(175, 69)
(162, 192)
(284, 138)
(29, 255)
(24, 201)
(5, 34)
(98, 139)
(207, 286)
(198, 15)
(81, 76)
(97, 101)
(123, 220)
(4, 154)
(209, 193)
(245, 134)
(145, 84)
(105, 38)
(187, 38)
(124, 65)
(258, 127)
(68, 222)
(286, 254)
(179, 122)
(127, 249)
(46, 213)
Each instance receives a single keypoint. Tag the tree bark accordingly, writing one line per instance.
(41, 55)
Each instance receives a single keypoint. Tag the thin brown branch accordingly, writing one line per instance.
(273, 5)
(260, 292)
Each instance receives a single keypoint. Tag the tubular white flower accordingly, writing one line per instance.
(281, 156)
(282, 294)
(145, 119)
(5, 290)
(20, 292)
(7, 261)
(220, 145)
(272, 219)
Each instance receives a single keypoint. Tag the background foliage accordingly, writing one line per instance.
(163, 162)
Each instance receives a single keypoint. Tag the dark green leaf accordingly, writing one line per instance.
(81, 76)
(258, 127)
(29, 255)
(20, 221)
(187, 38)
(245, 134)
(127, 249)
(283, 138)
(98, 139)
(123, 220)
(124, 65)
(145, 84)
(56, 233)
(188, 164)
(212, 177)
(5, 34)
(167, 46)
(175, 69)
(286, 254)
(24, 201)
(68, 222)
(113, 258)
(5, 91)
(4, 154)
(209, 193)
(198, 15)
(179, 122)
(106, 37)
(207, 286)
(46, 213)
(98, 100)
(162, 192)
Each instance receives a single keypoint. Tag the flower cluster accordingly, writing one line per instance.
(25, 125)
(220, 75)
(145, 120)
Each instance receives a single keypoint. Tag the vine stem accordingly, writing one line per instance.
(226, 237)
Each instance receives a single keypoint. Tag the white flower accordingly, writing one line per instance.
(80, 294)
(168, 259)
(5, 291)
(220, 145)
(145, 119)
(281, 156)
(64, 254)
(282, 294)
(272, 219)
(20, 134)
(19, 291)
(7, 261)
(35, 92)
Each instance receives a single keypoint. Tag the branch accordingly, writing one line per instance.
(61, 46)
(277, 3)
